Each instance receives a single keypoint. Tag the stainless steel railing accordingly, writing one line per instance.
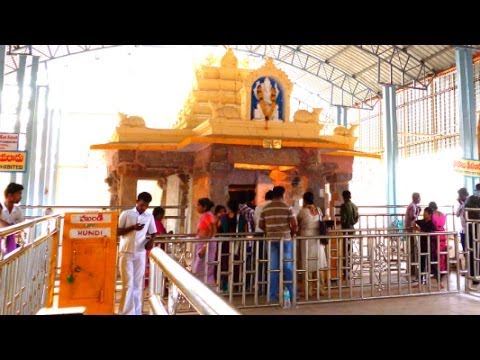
(361, 264)
(27, 273)
(200, 296)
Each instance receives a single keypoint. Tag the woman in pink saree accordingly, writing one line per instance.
(206, 229)
(439, 219)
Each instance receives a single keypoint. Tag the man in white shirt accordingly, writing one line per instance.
(11, 213)
(133, 226)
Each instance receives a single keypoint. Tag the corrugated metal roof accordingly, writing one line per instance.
(352, 70)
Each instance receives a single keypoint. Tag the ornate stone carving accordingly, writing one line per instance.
(339, 178)
(113, 182)
(129, 168)
(229, 60)
(162, 183)
(304, 116)
(130, 121)
(320, 168)
(343, 131)
(279, 82)
(220, 111)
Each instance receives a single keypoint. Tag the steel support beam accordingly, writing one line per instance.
(412, 72)
(391, 141)
(359, 92)
(354, 93)
(345, 119)
(466, 109)
(342, 112)
(56, 121)
(31, 141)
(44, 148)
(22, 65)
(49, 159)
(51, 52)
(2, 75)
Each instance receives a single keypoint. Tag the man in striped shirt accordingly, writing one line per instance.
(278, 220)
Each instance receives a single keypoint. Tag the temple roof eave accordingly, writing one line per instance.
(192, 144)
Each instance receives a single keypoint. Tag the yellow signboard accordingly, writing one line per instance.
(467, 167)
(13, 161)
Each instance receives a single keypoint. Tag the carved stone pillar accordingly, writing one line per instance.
(200, 189)
(184, 193)
(113, 182)
(264, 183)
(316, 184)
(219, 181)
(297, 191)
(315, 174)
(162, 184)
(338, 183)
(128, 190)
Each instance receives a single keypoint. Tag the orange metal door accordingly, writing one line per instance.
(89, 254)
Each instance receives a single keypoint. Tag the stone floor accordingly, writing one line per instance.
(459, 303)
(444, 304)
(439, 304)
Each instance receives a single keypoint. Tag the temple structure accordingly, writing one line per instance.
(234, 133)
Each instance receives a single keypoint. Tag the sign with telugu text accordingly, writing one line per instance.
(467, 167)
(8, 142)
(13, 161)
(93, 218)
(90, 225)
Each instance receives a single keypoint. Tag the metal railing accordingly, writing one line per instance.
(361, 264)
(200, 296)
(472, 251)
(387, 216)
(27, 273)
(378, 259)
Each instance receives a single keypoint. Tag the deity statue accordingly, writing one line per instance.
(267, 96)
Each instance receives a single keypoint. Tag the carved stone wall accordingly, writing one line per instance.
(257, 155)
(113, 182)
(200, 189)
(211, 170)
(220, 108)
(184, 197)
(172, 199)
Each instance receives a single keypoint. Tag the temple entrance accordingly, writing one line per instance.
(234, 191)
(152, 187)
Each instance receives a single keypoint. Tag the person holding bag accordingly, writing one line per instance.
(309, 219)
